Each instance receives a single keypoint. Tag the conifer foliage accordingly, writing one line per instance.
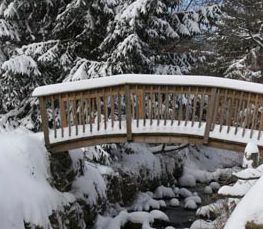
(48, 41)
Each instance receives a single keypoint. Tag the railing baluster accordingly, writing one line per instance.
(112, 108)
(238, 111)
(151, 110)
(180, 106)
(223, 106)
(194, 109)
(202, 107)
(261, 123)
(246, 118)
(187, 106)
(105, 109)
(137, 106)
(83, 113)
(216, 110)
(128, 112)
(119, 107)
(76, 114)
(98, 110)
(159, 106)
(143, 107)
(174, 106)
(230, 110)
(90, 112)
(235, 111)
(54, 116)
(69, 119)
(254, 116)
(62, 115)
(166, 105)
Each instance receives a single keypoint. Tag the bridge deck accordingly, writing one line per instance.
(219, 112)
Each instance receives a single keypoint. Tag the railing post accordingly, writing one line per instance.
(209, 115)
(128, 112)
(43, 113)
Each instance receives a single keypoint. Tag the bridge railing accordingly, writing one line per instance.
(130, 108)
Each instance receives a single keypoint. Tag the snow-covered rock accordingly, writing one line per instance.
(208, 190)
(174, 202)
(184, 192)
(247, 174)
(215, 186)
(201, 224)
(250, 149)
(239, 189)
(190, 204)
(187, 181)
(164, 192)
(208, 210)
(196, 199)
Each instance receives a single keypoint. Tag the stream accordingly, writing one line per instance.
(183, 218)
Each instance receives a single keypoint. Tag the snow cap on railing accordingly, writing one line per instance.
(143, 79)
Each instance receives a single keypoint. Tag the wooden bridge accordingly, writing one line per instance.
(217, 112)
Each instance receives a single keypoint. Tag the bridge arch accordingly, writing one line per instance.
(217, 112)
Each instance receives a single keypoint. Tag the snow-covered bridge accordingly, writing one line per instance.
(217, 112)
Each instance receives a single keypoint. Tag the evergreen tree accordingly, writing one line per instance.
(44, 42)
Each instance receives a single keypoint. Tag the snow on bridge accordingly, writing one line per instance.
(217, 112)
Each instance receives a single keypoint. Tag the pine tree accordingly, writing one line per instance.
(44, 42)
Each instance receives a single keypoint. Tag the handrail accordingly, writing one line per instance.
(144, 79)
(164, 109)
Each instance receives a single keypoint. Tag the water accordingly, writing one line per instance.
(183, 218)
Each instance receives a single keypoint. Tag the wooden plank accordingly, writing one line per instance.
(209, 115)
(235, 113)
(202, 107)
(214, 119)
(112, 109)
(141, 103)
(230, 111)
(180, 107)
(151, 110)
(137, 106)
(76, 117)
(54, 116)
(98, 111)
(44, 118)
(62, 116)
(82, 114)
(174, 106)
(166, 105)
(238, 111)
(194, 108)
(143, 107)
(90, 112)
(223, 108)
(187, 106)
(254, 116)
(69, 116)
(105, 103)
(260, 125)
(119, 107)
(246, 118)
(159, 105)
(128, 112)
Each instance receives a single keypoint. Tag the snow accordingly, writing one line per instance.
(163, 192)
(91, 186)
(208, 190)
(249, 173)
(148, 79)
(215, 186)
(201, 224)
(26, 194)
(195, 198)
(250, 208)
(184, 192)
(144, 201)
(190, 204)
(250, 149)
(174, 202)
(239, 189)
(187, 181)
